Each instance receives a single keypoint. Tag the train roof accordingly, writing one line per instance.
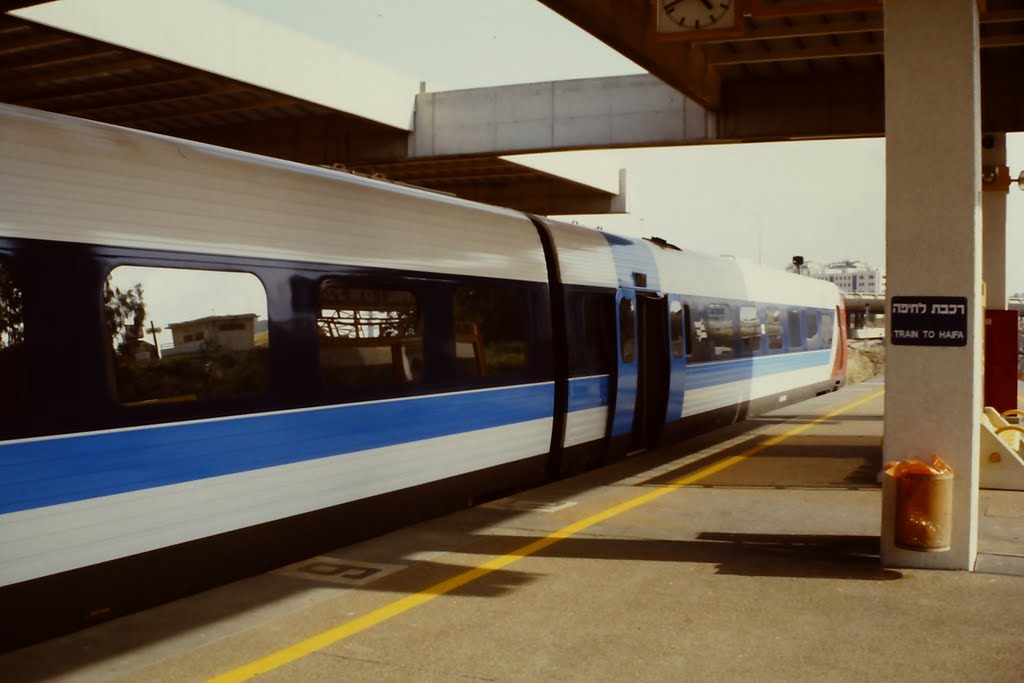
(595, 258)
(74, 180)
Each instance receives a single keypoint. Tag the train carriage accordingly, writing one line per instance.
(217, 363)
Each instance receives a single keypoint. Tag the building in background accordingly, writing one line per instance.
(215, 332)
(849, 276)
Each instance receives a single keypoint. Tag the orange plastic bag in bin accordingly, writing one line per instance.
(923, 503)
(899, 468)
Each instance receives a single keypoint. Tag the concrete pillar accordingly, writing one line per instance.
(993, 214)
(933, 248)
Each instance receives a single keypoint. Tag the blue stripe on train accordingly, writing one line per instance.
(588, 392)
(58, 470)
(702, 375)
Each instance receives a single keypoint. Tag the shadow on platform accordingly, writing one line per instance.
(769, 555)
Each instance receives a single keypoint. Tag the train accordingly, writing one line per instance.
(216, 363)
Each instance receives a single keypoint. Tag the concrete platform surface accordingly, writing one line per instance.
(748, 554)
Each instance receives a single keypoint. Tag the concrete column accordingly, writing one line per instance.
(993, 213)
(933, 248)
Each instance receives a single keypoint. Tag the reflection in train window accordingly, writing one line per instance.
(750, 330)
(721, 329)
(827, 322)
(676, 327)
(796, 339)
(491, 331)
(179, 335)
(627, 333)
(368, 337)
(12, 344)
(811, 323)
(773, 328)
(591, 348)
(691, 347)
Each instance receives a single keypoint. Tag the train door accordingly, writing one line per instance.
(679, 347)
(642, 381)
(653, 372)
(624, 402)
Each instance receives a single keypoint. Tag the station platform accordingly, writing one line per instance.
(748, 553)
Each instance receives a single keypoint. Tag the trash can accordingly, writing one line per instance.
(923, 503)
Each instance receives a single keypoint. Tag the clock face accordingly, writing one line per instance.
(698, 15)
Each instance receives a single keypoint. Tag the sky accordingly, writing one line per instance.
(764, 202)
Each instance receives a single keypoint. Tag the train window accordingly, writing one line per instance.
(676, 327)
(827, 322)
(591, 349)
(12, 343)
(750, 330)
(773, 328)
(627, 331)
(796, 339)
(721, 329)
(691, 346)
(811, 323)
(491, 331)
(166, 342)
(699, 345)
(368, 337)
(12, 319)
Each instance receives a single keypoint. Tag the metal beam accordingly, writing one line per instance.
(545, 197)
(723, 57)
(814, 107)
(83, 53)
(807, 30)
(853, 105)
(31, 42)
(319, 139)
(125, 66)
(789, 54)
(87, 91)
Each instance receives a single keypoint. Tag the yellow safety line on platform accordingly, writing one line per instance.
(351, 628)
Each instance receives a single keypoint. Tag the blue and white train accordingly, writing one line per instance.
(215, 363)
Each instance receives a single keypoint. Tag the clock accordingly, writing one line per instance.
(694, 19)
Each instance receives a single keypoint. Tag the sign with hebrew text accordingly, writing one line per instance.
(928, 321)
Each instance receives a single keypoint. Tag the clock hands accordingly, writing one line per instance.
(698, 15)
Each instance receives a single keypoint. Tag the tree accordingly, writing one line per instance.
(12, 326)
(125, 313)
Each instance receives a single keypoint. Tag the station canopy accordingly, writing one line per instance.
(787, 69)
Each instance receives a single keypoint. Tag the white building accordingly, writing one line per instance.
(848, 276)
(225, 332)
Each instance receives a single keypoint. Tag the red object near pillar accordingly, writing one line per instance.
(1001, 359)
